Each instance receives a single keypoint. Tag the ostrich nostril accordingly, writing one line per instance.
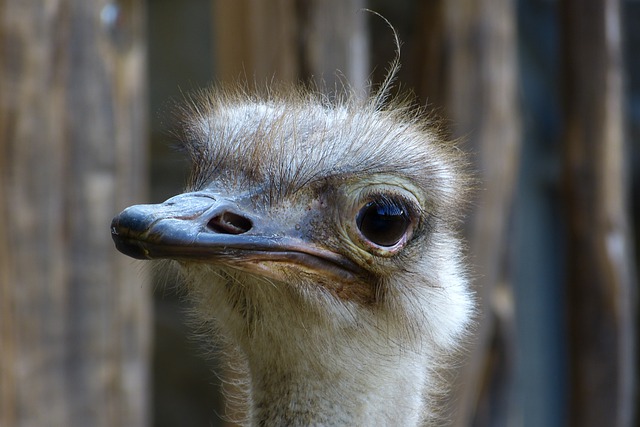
(229, 223)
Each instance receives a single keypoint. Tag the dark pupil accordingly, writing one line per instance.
(383, 223)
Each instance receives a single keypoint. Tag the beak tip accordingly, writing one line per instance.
(126, 224)
(132, 219)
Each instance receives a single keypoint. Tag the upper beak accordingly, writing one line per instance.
(208, 228)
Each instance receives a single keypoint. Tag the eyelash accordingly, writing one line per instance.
(388, 200)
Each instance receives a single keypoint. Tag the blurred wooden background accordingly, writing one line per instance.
(545, 93)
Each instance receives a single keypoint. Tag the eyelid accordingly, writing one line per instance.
(410, 207)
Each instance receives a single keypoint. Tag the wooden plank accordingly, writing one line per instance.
(289, 41)
(335, 44)
(601, 282)
(75, 313)
(255, 41)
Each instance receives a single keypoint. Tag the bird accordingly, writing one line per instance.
(319, 239)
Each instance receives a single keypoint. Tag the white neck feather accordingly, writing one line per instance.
(339, 382)
(313, 360)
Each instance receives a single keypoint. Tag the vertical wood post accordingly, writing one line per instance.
(256, 41)
(600, 278)
(74, 313)
(292, 41)
(334, 43)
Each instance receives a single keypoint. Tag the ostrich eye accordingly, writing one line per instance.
(383, 222)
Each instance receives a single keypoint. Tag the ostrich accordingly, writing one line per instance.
(318, 238)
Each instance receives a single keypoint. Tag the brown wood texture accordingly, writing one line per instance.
(601, 283)
(324, 41)
(256, 41)
(74, 313)
(334, 43)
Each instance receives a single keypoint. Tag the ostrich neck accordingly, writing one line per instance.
(339, 383)
(312, 360)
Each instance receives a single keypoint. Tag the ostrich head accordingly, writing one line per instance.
(319, 239)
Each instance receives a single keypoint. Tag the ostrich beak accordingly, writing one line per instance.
(207, 228)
